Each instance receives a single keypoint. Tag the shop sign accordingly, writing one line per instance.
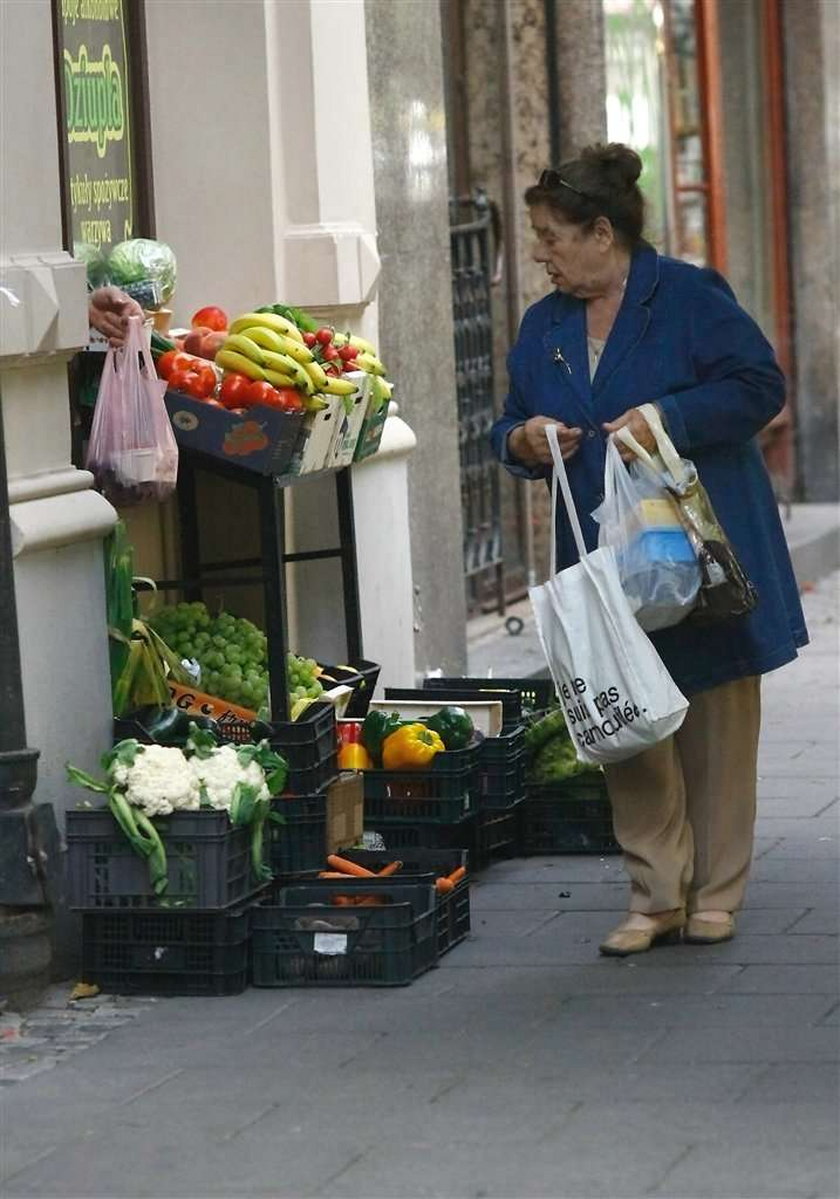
(95, 108)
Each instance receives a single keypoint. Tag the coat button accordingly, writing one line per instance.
(591, 433)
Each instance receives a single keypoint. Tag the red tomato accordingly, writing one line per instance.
(331, 354)
(164, 363)
(352, 365)
(291, 399)
(309, 339)
(347, 353)
(178, 380)
(324, 335)
(196, 386)
(211, 318)
(234, 389)
(208, 377)
(261, 392)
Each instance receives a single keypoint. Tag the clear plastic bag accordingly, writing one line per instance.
(132, 451)
(725, 590)
(657, 565)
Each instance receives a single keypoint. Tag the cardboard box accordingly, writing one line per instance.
(345, 812)
(315, 439)
(199, 703)
(349, 423)
(370, 434)
(262, 439)
(486, 715)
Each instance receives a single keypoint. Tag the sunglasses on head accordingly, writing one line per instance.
(552, 179)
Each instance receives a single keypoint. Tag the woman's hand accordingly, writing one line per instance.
(108, 312)
(529, 443)
(633, 420)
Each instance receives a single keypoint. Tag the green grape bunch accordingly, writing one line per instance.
(233, 655)
(231, 651)
(301, 678)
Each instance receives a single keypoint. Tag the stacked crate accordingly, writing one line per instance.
(193, 941)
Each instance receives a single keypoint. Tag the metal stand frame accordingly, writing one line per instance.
(273, 557)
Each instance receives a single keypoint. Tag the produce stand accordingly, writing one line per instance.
(198, 574)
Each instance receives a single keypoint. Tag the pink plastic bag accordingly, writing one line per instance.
(132, 452)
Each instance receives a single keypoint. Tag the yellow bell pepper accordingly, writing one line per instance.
(411, 747)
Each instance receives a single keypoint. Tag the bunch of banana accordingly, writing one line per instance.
(262, 345)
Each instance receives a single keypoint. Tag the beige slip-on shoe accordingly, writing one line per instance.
(700, 930)
(640, 931)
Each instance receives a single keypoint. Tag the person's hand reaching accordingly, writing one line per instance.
(529, 443)
(108, 312)
(633, 420)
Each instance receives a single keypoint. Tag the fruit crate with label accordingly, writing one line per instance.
(166, 951)
(569, 816)
(208, 862)
(300, 938)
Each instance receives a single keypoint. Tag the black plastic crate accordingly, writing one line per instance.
(208, 862)
(301, 940)
(444, 793)
(535, 695)
(502, 769)
(402, 838)
(310, 746)
(362, 676)
(453, 910)
(572, 816)
(166, 952)
(300, 842)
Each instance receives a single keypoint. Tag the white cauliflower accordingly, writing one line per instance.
(160, 781)
(220, 773)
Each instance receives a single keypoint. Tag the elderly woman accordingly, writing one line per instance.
(623, 326)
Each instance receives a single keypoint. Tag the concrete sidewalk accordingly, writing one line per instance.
(523, 1066)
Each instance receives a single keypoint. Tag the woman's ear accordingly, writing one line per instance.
(603, 232)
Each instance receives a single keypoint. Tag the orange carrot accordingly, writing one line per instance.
(457, 875)
(444, 885)
(391, 868)
(346, 867)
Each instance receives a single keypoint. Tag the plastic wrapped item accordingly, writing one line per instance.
(132, 451)
(657, 565)
(725, 590)
(142, 259)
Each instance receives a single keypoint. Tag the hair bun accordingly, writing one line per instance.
(617, 163)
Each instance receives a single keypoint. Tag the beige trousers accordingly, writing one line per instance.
(684, 810)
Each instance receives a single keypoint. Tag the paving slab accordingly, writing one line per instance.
(525, 1065)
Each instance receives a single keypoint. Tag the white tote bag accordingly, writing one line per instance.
(617, 696)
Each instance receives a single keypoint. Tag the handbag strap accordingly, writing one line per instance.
(560, 476)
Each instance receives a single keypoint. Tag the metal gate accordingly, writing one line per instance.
(471, 233)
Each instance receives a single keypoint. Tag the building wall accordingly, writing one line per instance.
(811, 33)
(57, 522)
(415, 300)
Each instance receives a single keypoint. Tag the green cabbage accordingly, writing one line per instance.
(94, 259)
(140, 259)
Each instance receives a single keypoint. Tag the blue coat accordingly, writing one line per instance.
(680, 339)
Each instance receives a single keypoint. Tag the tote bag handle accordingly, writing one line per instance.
(560, 476)
(665, 447)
